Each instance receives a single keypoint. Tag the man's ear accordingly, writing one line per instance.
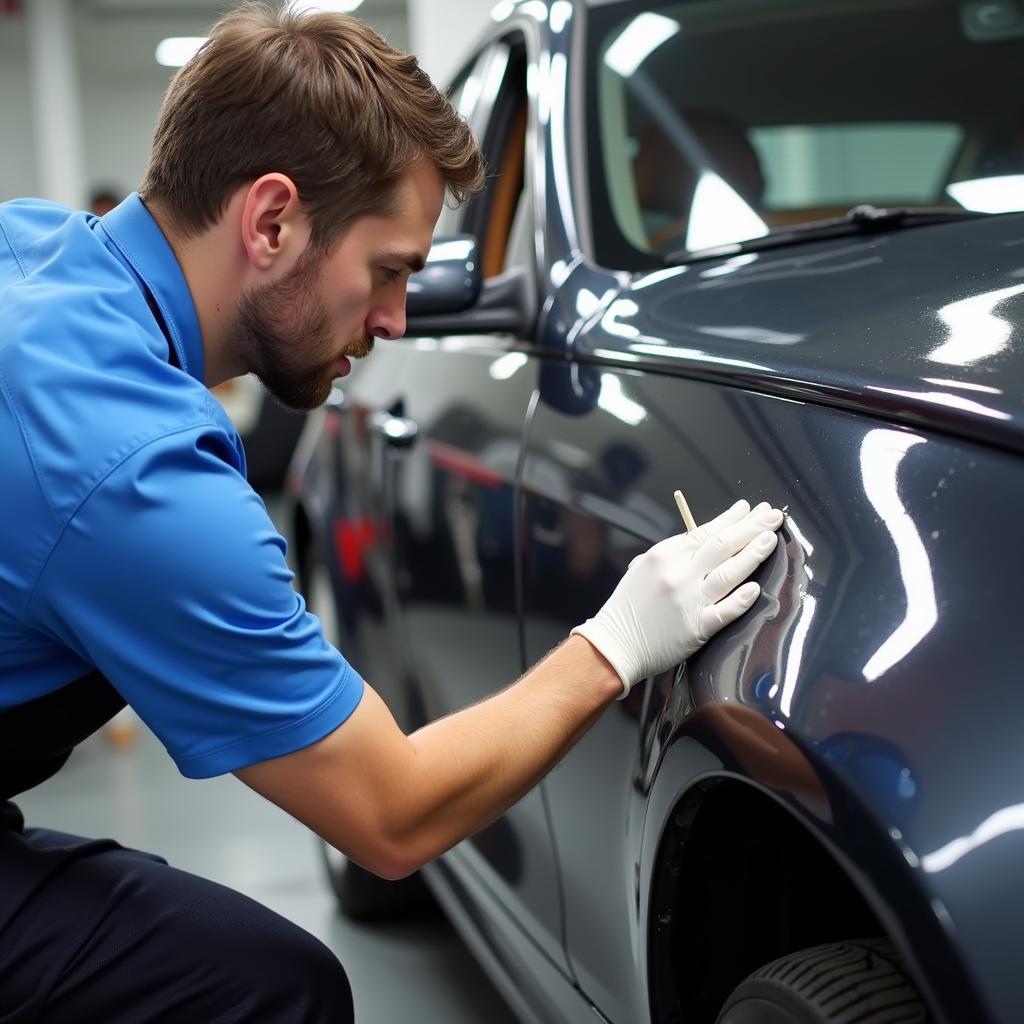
(275, 230)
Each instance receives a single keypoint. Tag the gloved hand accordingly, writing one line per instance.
(679, 593)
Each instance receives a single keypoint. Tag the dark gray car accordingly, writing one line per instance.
(745, 248)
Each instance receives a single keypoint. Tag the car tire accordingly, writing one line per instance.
(361, 895)
(863, 981)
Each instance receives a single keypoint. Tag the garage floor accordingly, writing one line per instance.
(220, 829)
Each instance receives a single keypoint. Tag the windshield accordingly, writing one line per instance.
(719, 121)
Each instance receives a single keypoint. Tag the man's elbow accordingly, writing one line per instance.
(389, 859)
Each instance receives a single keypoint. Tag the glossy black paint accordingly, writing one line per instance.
(450, 281)
(865, 714)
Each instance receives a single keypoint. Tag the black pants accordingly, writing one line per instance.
(90, 931)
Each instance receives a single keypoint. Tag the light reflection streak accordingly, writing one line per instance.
(966, 385)
(660, 349)
(796, 653)
(506, 366)
(614, 400)
(470, 94)
(974, 331)
(544, 95)
(561, 12)
(450, 249)
(720, 216)
(588, 303)
(801, 539)
(997, 194)
(613, 325)
(758, 335)
(495, 73)
(939, 398)
(637, 41)
(1008, 819)
(657, 276)
(881, 453)
(557, 78)
(731, 265)
(536, 9)
(614, 353)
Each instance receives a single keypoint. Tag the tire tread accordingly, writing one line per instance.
(855, 982)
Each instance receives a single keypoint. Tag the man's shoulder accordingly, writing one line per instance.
(22, 221)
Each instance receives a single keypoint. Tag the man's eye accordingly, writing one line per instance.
(390, 274)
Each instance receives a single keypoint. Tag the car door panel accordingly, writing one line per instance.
(840, 650)
(454, 543)
(357, 518)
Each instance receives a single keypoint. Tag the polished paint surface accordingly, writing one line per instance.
(872, 385)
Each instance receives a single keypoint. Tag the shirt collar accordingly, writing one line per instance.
(138, 237)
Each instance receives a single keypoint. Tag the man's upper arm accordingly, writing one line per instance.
(344, 786)
(172, 581)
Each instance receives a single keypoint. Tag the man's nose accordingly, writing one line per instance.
(387, 321)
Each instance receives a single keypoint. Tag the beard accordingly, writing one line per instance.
(282, 333)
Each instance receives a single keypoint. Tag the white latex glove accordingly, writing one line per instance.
(679, 593)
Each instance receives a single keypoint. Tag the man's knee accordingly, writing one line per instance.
(184, 948)
(295, 977)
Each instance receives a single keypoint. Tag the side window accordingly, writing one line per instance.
(465, 92)
(500, 217)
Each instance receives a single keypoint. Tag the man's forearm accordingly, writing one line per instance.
(393, 802)
(469, 767)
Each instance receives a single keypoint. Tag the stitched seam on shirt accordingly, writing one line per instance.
(168, 320)
(284, 727)
(92, 490)
(14, 250)
(28, 444)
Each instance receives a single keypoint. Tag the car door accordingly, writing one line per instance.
(466, 400)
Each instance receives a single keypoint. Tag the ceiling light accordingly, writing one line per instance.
(178, 50)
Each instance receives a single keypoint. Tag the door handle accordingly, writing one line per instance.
(397, 431)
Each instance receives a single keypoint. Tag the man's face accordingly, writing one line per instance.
(299, 333)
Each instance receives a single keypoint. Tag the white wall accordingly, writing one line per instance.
(121, 86)
(442, 31)
(17, 160)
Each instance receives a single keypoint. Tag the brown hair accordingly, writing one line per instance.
(319, 97)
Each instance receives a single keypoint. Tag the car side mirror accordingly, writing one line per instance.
(449, 296)
(450, 281)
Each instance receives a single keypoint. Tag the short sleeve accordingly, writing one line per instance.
(171, 579)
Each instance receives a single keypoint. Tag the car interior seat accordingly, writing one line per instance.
(507, 190)
(666, 180)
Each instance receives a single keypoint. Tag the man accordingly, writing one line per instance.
(298, 170)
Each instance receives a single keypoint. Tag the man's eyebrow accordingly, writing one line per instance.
(413, 260)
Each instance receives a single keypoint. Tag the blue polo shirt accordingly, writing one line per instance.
(130, 541)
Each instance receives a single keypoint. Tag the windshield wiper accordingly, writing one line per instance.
(863, 219)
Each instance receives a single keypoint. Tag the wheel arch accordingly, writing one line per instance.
(740, 876)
